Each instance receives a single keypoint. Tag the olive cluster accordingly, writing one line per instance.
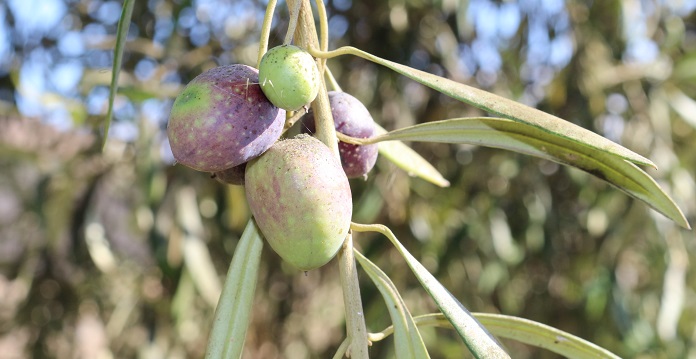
(229, 120)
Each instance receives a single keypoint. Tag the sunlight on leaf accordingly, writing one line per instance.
(497, 105)
(519, 329)
(542, 336)
(234, 307)
(121, 35)
(409, 160)
(479, 341)
(407, 340)
(530, 140)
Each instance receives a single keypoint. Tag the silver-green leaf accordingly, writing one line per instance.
(234, 307)
(409, 160)
(407, 340)
(121, 35)
(522, 330)
(531, 140)
(542, 336)
(479, 341)
(497, 105)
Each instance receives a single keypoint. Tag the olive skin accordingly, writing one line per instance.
(351, 118)
(301, 200)
(222, 119)
(289, 77)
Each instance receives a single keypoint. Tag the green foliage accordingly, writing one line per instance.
(121, 34)
(234, 308)
(407, 340)
(117, 253)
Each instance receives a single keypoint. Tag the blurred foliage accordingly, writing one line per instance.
(120, 253)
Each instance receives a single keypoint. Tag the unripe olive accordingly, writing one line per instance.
(222, 119)
(301, 200)
(353, 119)
(289, 77)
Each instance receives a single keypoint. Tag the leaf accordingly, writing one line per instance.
(234, 307)
(409, 160)
(522, 330)
(407, 340)
(531, 140)
(542, 336)
(121, 35)
(497, 105)
(479, 341)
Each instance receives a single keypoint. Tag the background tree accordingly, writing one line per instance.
(120, 253)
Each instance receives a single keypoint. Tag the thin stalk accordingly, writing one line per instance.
(332, 80)
(306, 37)
(265, 30)
(291, 120)
(294, 15)
(355, 319)
(323, 33)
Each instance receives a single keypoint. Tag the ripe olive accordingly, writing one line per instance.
(353, 119)
(222, 119)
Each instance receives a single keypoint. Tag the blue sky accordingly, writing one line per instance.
(58, 70)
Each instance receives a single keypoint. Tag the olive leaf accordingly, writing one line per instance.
(479, 341)
(407, 340)
(496, 104)
(234, 307)
(519, 329)
(121, 35)
(542, 336)
(409, 160)
(527, 139)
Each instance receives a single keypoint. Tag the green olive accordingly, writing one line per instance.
(289, 77)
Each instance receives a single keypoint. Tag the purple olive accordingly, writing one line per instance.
(301, 200)
(353, 119)
(222, 119)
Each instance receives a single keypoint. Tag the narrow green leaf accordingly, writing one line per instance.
(542, 336)
(479, 341)
(234, 307)
(497, 105)
(407, 340)
(522, 330)
(409, 160)
(531, 140)
(121, 35)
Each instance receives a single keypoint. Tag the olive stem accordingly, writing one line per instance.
(290, 121)
(323, 33)
(355, 319)
(266, 30)
(294, 15)
(332, 80)
(306, 37)
(354, 140)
